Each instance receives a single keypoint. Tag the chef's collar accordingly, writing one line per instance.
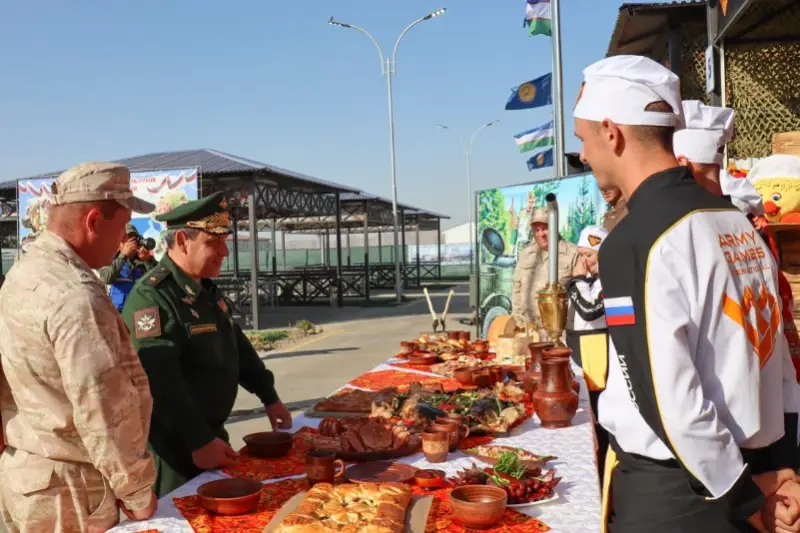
(657, 181)
(186, 283)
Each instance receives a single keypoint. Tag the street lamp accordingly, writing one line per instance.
(388, 68)
(468, 154)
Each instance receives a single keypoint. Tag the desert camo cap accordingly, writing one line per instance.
(97, 181)
(539, 216)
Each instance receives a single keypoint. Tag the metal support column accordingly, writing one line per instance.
(274, 248)
(366, 252)
(339, 294)
(251, 210)
(347, 230)
(380, 247)
(327, 249)
(419, 281)
(235, 248)
(402, 258)
(439, 248)
(283, 248)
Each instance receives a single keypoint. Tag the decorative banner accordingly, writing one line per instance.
(164, 188)
(452, 254)
(504, 230)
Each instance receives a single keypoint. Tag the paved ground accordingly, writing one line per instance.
(354, 340)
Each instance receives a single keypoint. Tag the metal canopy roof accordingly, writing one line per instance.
(215, 163)
(641, 28)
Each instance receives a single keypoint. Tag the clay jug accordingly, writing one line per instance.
(555, 401)
(564, 352)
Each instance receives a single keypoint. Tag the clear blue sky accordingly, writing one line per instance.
(272, 81)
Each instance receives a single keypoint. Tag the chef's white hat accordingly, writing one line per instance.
(592, 237)
(619, 88)
(743, 194)
(707, 130)
(775, 166)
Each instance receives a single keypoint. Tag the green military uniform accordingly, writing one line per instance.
(194, 355)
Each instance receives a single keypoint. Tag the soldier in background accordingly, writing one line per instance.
(617, 208)
(530, 274)
(75, 401)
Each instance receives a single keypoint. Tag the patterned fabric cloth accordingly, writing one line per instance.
(294, 464)
(441, 518)
(273, 497)
(73, 389)
(394, 378)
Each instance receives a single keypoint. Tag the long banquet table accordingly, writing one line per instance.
(577, 510)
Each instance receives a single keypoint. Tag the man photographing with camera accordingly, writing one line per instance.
(133, 260)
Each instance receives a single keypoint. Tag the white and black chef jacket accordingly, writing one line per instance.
(684, 380)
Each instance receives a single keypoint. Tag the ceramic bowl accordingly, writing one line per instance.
(463, 375)
(269, 444)
(430, 479)
(407, 347)
(230, 496)
(478, 506)
(481, 378)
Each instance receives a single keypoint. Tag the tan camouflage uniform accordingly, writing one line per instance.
(75, 401)
(530, 276)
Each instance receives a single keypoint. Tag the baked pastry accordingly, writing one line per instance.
(364, 508)
(348, 401)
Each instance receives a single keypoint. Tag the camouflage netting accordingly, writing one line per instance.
(763, 80)
(694, 42)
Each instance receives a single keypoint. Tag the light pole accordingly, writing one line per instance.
(468, 154)
(388, 68)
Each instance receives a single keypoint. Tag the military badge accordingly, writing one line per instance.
(188, 289)
(202, 328)
(188, 301)
(224, 204)
(594, 240)
(222, 304)
(194, 313)
(146, 323)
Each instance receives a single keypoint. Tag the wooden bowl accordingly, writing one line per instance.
(481, 378)
(430, 479)
(478, 506)
(268, 444)
(230, 496)
(406, 347)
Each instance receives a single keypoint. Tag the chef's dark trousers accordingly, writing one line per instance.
(649, 496)
(574, 344)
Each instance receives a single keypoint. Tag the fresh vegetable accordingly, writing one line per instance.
(509, 463)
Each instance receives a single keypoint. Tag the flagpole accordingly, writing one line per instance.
(558, 91)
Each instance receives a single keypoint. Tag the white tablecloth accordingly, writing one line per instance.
(576, 511)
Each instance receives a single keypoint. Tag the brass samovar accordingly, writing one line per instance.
(552, 300)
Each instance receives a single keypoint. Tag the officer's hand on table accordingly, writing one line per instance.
(215, 454)
(142, 514)
(130, 248)
(279, 416)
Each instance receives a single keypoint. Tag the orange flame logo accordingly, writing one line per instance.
(763, 334)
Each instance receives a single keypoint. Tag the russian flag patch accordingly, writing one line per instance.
(619, 311)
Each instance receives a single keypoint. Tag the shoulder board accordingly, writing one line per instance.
(156, 276)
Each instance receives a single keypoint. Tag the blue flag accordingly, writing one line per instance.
(535, 93)
(541, 160)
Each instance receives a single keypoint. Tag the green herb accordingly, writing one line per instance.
(499, 481)
(510, 464)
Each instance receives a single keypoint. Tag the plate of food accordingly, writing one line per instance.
(524, 486)
(346, 401)
(491, 454)
(380, 472)
(388, 507)
(367, 439)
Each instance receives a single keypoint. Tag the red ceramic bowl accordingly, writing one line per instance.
(430, 479)
(268, 444)
(478, 506)
(230, 496)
